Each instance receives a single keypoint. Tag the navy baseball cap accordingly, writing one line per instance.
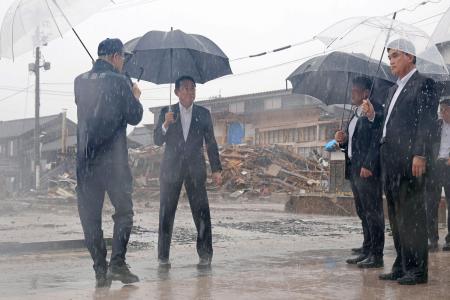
(110, 46)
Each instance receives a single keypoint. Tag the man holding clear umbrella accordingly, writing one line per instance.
(410, 113)
(106, 102)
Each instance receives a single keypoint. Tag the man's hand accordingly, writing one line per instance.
(367, 109)
(418, 166)
(169, 119)
(217, 178)
(340, 136)
(448, 162)
(365, 173)
(136, 91)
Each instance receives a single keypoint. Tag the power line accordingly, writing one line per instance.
(70, 94)
(274, 50)
(14, 94)
(259, 54)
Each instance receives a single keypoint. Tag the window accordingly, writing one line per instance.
(237, 107)
(272, 104)
(11, 148)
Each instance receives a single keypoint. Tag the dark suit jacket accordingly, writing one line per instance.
(365, 148)
(410, 125)
(191, 152)
(436, 140)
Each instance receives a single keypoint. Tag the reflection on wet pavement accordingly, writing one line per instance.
(260, 252)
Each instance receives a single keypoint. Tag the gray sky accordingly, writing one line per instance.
(239, 27)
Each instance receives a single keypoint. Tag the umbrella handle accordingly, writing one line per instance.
(129, 78)
(140, 74)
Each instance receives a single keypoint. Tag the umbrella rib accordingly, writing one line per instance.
(71, 26)
(373, 48)
(53, 17)
(196, 64)
(12, 28)
(347, 33)
(62, 12)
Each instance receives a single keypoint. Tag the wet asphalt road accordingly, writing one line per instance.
(260, 252)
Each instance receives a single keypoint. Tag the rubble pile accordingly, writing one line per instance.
(145, 163)
(263, 170)
(63, 187)
(251, 170)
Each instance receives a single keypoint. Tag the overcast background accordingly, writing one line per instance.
(240, 28)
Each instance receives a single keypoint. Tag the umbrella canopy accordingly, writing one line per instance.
(162, 57)
(329, 77)
(370, 36)
(441, 33)
(33, 23)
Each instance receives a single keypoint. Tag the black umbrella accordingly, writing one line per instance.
(162, 57)
(329, 77)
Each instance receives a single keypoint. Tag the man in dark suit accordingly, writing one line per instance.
(184, 129)
(363, 170)
(439, 176)
(106, 102)
(410, 113)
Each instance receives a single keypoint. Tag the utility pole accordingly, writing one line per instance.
(35, 68)
(37, 130)
(64, 133)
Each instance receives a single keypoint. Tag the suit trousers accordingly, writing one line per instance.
(407, 216)
(198, 201)
(91, 188)
(438, 178)
(367, 193)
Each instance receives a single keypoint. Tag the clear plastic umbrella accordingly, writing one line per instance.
(441, 33)
(370, 35)
(33, 23)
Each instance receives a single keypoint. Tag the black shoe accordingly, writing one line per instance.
(433, 246)
(354, 261)
(102, 279)
(446, 246)
(390, 276)
(372, 261)
(357, 250)
(121, 272)
(204, 262)
(412, 280)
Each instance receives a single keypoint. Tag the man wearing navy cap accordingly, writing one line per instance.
(106, 102)
(439, 175)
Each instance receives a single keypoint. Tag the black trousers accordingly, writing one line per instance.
(367, 193)
(438, 178)
(198, 201)
(93, 182)
(407, 216)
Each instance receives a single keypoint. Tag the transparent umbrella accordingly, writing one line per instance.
(441, 33)
(33, 23)
(371, 35)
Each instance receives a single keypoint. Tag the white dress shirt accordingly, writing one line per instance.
(444, 150)
(401, 84)
(351, 129)
(185, 118)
